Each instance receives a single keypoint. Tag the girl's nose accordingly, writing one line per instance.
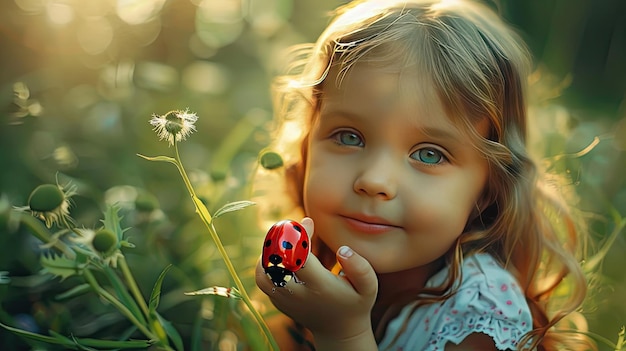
(378, 178)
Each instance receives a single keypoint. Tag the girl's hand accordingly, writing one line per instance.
(336, 309)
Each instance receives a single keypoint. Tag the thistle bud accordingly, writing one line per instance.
(104, 241)
(51, 203)
(46, 198)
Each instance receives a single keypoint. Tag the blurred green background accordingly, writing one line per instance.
(80, 79)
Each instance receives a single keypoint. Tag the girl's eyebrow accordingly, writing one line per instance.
(430, 131)
(330, 109)
(329, 112)
(439, 133)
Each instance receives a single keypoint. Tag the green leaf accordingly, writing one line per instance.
(112, 221)
(219, 291)
(196, 334)
(61, 266)
(158, 158)
(32, 336)
(114, 344)
(69, 341)
(254, 339)
(172, 333)
(121, 291)
(127, 244)
(83, 255)
(73, 292)
(155, 296)
(59, 339)
(233, 206)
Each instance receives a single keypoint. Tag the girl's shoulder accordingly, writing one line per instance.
(488, 300)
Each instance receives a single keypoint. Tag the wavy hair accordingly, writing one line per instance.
(479, 66)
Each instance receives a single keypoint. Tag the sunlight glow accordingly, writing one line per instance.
(156, 76)
(59, 13)
(33, 6)
(95, 35)
(205, 77)
(446, 4)
(223, 11)
(138, 11)
(219, 23)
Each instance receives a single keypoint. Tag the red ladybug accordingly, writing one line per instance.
(285, 251)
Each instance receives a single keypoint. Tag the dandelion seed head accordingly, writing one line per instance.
(175, 125)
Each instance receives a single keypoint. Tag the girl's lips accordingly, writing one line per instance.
(368, 225)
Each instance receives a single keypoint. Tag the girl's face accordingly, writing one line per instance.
(387, 173)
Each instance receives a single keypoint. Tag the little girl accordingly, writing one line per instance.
(403, 136)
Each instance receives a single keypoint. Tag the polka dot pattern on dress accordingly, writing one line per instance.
(487, 301)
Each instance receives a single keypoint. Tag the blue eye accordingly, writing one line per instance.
(348, 138)
(428, 156)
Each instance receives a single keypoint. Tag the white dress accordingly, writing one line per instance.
(488, 301)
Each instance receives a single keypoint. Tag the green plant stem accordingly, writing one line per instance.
(136, 300)
(208, 221)
(125, 311)
(122, 293)
(41, 232)
(620, 339)
(132, 284)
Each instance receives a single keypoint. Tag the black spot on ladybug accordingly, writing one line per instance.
(287, 245)
(305, 244)
(297, 228)
(275, 259)
(268, 243)
(298, 262)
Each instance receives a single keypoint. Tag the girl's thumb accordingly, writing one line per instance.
(358, 271)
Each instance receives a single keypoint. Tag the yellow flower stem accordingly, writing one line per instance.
(620, 339)
(208, 221)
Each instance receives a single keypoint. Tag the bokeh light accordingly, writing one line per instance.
(138, 11)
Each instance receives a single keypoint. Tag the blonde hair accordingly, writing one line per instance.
(478, 66)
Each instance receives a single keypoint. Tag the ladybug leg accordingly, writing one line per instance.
(295, 279)
(280, 284)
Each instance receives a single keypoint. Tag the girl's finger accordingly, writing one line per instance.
(262, 280)
(358, 271)
(309, 226)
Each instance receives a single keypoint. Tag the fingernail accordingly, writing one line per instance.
(345, 252)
